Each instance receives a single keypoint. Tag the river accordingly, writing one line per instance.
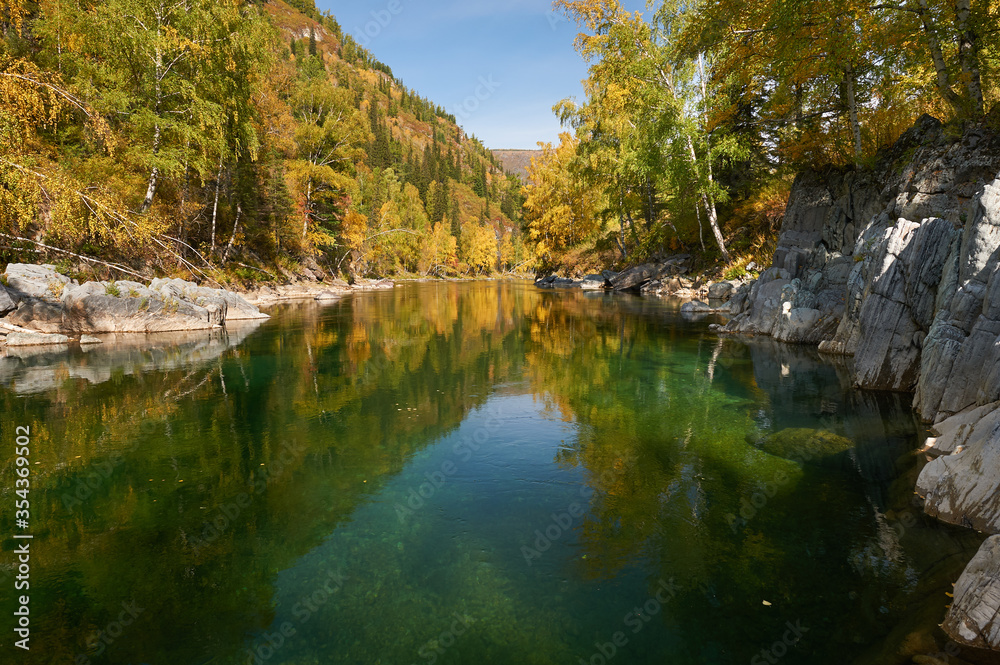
(468, 473)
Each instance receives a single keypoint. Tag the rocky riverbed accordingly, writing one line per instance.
(898, 267)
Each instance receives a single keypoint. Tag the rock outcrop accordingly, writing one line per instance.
(896, 266)
(899, 266)
(48, 302)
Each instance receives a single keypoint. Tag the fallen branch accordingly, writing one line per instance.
(75, 255)
(257, 269)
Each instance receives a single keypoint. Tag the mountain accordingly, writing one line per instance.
(516, 161)
(237, 142)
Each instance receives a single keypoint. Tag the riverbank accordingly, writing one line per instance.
(670, 276)
(40, 306)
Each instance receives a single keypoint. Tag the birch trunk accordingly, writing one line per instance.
(305, 216)
(154, 176)
(709, 203)
(943, 80)
(215, 205)
(850, 99)
(968, 55)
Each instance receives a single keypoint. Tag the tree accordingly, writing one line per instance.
(560, 208)
(329, 138)
(439, 252)
(479, 248)
(171, 75)
(637, 126)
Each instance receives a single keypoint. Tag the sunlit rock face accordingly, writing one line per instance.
(897, 266)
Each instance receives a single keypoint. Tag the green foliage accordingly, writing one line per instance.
(168, 137)
(696, 113)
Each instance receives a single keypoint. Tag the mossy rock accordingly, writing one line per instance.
(807, 446)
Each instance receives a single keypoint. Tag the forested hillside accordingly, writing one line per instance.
(232, 140)
(698, 115)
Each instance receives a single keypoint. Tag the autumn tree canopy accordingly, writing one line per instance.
(697, 114)
(232, 140)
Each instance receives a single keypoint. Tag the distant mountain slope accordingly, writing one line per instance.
(516, 161)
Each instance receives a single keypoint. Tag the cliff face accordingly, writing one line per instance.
(898, 266)
(895, 266)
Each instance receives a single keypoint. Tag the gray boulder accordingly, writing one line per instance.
(963, 487)
(122, 307)
(556, 282)
(234, 306)
(696, 307)
(593, 282)
(35, 339)
(36, 281)
(7, 302)
(635, 278)
(106, 314)
(722, 290)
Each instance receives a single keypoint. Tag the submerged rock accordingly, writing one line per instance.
(807, 446)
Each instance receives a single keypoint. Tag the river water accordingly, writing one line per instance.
(467, 473)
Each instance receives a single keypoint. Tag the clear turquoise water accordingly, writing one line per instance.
(468, 473)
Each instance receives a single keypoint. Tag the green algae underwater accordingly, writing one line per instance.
(467, 473)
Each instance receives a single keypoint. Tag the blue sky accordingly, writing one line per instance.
(499, 66)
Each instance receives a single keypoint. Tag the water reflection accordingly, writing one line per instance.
(462, 473)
